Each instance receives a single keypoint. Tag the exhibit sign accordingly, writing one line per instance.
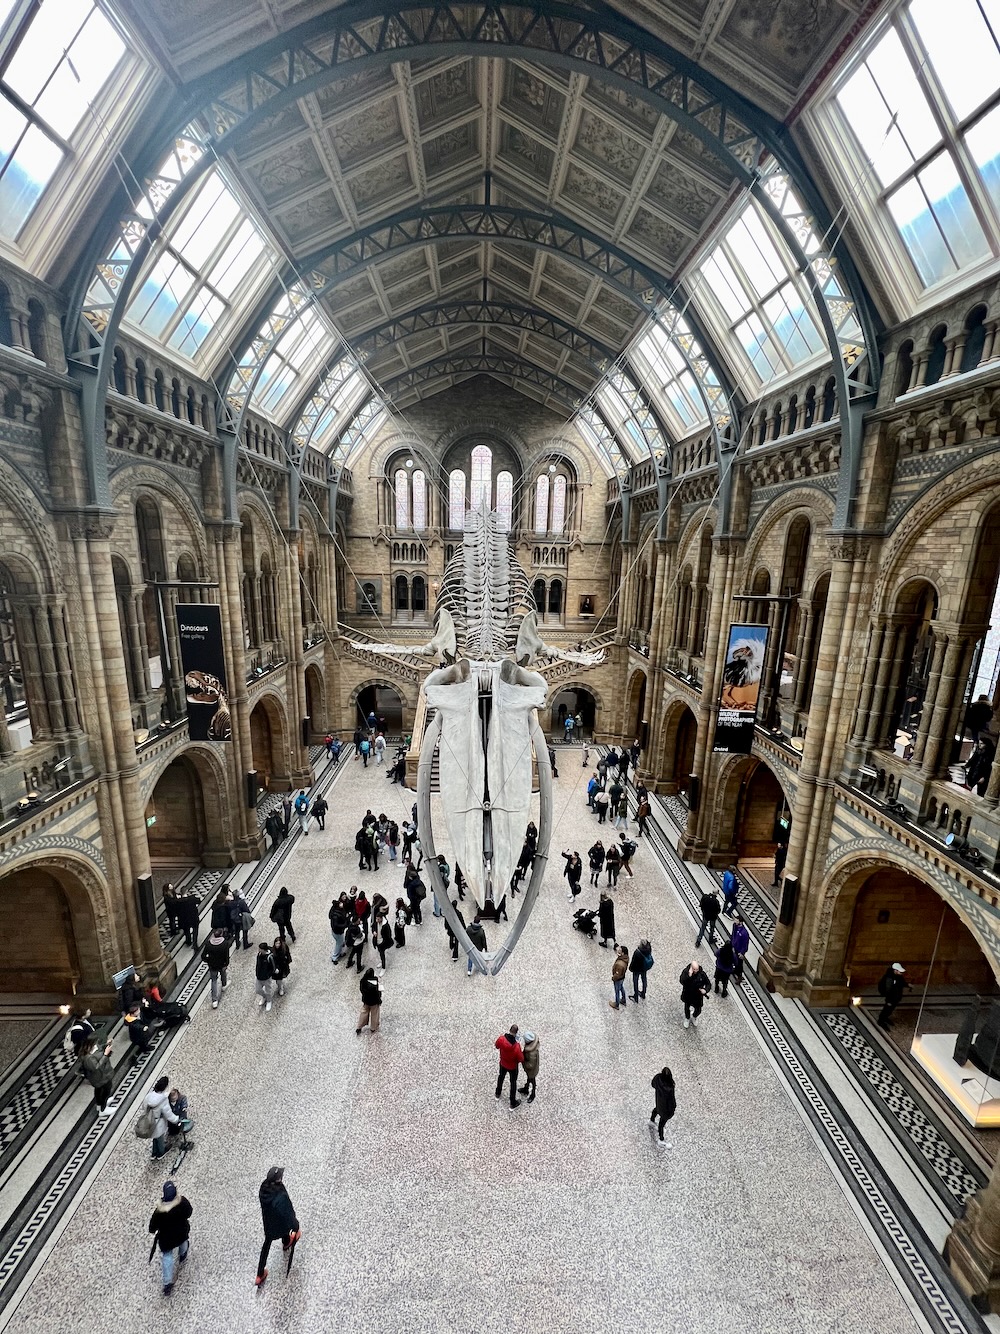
(199, 628)
(740, 690)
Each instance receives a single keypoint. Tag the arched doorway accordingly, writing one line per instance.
(175, 817)
(897, 918)
(578, 701)
(635, 709)
(267, 742)
(387, 705)
(315, 702)
(680, 746)
(54, 949)
(760, 808)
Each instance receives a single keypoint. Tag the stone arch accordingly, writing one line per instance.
(76, 900)
(847, 873)
(589, 707)
(679, 737)
(133, 482)
(205, 831)
(809, 501)
(31, 539)
(315, 701)
(214, 781)
(635, 707)
(733, 777)
(269, 741)
(365, 696)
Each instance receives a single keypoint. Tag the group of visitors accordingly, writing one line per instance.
(514, 1056)
(377, 836)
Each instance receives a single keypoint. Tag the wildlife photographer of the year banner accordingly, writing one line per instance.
(199, 627)
(740, 689)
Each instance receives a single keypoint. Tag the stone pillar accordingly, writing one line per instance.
(692, 845)
(783, 963)
(770, 685)
(919, 372)
(973, 1247)
(954, 347)
(228, 562)
(64, 665)
(930, 694)
(882, 716)
(50, 672)
(31, 667)
(801, 688)
(127, 828)
(873, 661)
(301, 772)
(991, 345)
(957, 662)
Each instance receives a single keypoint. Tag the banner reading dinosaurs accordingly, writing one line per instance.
(199, 627)
(741, 679)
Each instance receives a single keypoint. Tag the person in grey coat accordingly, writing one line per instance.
(98, 1072)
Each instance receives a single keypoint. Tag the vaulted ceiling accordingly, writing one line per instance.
(469, 130)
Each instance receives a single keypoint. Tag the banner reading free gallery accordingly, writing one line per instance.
(740, 691)
(199, 627)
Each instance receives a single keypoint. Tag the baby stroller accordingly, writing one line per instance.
(584, 920)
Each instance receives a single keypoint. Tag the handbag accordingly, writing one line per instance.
(247, 919)
(146, 1124)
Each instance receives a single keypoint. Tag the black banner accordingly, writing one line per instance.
(740, 690)
(199, 626)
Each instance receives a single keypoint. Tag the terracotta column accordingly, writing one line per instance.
(957, 662)
(941, 646)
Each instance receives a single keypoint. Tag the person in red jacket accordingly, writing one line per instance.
(511, 1056)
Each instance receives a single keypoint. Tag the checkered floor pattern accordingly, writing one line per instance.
(32, 1093)
(924, 1136)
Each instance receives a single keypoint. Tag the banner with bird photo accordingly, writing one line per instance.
(199, 627)
(740, 690)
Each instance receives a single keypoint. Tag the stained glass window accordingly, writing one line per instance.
(401, 485)
(542, 504)
(456, 499)
(505, 500)
(53, 65)
(419, 501)
(558, 503)
(480, 492)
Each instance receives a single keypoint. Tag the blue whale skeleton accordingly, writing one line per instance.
(485, 724)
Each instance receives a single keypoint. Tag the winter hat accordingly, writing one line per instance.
(275, 1173)
(898, 968)
(169, 1192)
(529, 1037)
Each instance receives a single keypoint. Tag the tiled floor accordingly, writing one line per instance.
(426, 1204)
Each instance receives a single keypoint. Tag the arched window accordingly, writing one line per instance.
(402, 593)
(36, 329)
(558, 522)
(542, 504)
(11, 671)
(538, 593)
(419, 501)
(456, 499)
(482, 475)
(402, 487)
(419, 594)
(369, 600)
(120, 379)
(505, 500)
(6, 331)
(555, 597)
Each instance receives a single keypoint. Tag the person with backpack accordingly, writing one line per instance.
(171, 1229)
(601, 803)
(264, 975)
(365, 749)
(319, 809)
(665, 1104)
(592, 789)
(629, 849)
(281, 913)
(730, 888)
(81, 1030)
(606, 913)
(371, 1002)
(354, 939)
(278, 1215)
(709, 917)
(157, 1116)
(188, 916)
(302, 810)
(642, 813)
(725, 966)
(639, 965)
(216, 956)
(240, 920)
(380, 749)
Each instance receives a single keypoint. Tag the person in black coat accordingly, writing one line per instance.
(573, 870)
(187, 915)
(371, 1001)
(695, 986)
(891, 989)
(171, 1226)
(140, 1033)
(596, 856)
(219, 920)
(780, 856)
(278, 1214)
(170, 907)
(319, 809)
(710, 909)
(452, 938)
(666, 1101)
(606, 913)
(415, 891)
(239, 917)
(131, 994)
(282, 957)
(281, 913)
(354, 939)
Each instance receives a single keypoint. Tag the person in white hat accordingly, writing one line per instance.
(891, 989)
